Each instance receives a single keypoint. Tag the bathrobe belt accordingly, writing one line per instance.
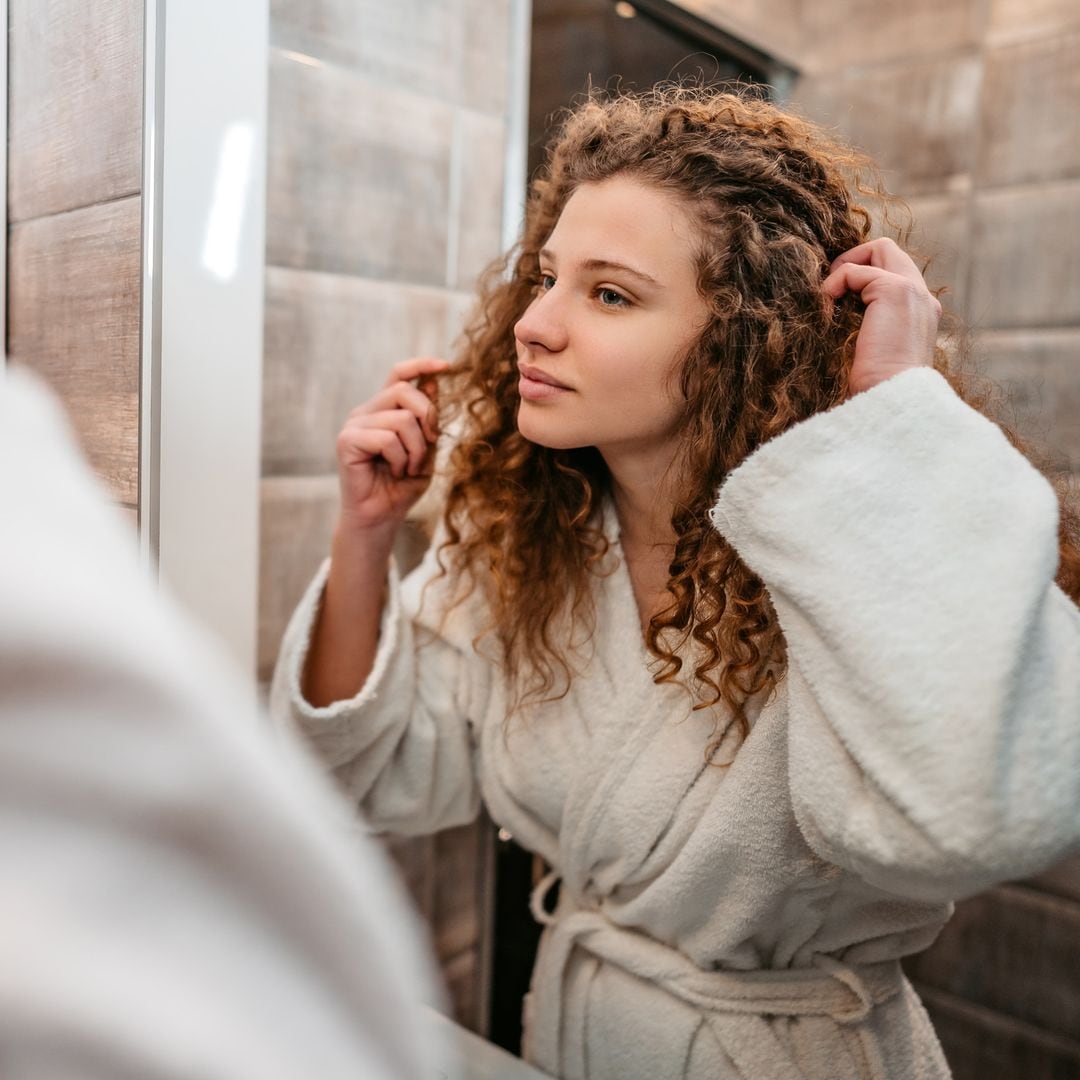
(735, 1004)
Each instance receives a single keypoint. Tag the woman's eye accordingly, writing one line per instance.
(611, 298)
(545, 282)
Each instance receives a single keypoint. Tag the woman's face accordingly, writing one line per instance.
(616, 310)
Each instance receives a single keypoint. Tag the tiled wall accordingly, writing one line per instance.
(388, 131)
(971, 105)
(74, 207)
(772, 25)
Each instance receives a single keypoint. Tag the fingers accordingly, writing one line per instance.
(399, 424)
(852, 277)
(883, 253)
(405, 396)
(872, 282)
(363, 444)
(409, 434)
(415, 368)
(405, 451)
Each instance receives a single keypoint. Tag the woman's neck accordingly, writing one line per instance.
(641, 490)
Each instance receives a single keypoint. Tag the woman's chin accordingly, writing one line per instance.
(552, 436)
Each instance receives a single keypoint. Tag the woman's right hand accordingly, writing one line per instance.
(386, 448)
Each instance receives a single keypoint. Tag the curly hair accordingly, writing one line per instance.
(776, 199)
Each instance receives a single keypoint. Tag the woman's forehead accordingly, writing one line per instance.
(624, 221)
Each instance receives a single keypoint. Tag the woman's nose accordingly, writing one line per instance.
(543, 324)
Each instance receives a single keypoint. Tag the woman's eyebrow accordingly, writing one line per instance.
(607, 264)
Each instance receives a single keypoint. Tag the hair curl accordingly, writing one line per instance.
(777, 199)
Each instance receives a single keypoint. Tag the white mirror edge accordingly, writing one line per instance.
(204, 209)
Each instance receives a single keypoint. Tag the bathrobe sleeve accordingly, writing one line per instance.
(179, 893)
(934, 666)
(403, 747)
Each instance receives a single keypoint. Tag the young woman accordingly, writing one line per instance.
(738, 614)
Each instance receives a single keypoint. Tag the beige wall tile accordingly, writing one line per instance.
(464, 856)
(358, 175)
(1018, 19)
(772, 25)
(485, 59)
(75, 107)
(457, 927)
(917, 119)
(298, 515)
(74, 317)
(330, 343)
(460, 309)
(414, 44)
(297, 523)
(853, 33)
(1031, 101)
(940, 233)
(481, 152)
(414, 857)
(1040, 374)
(1025, 268)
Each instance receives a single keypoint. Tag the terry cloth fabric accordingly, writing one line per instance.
(923, 745)
(179, 896)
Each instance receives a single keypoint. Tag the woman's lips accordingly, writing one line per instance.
(537, 385)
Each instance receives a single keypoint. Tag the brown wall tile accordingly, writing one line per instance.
(1014, 19)
(1031, 99)
(774, 25)
(405, 44)
(297, 518)
(1013, 950)
(846, 33)
(481, 152)
(940, 233)
(984, 1045)
(1061, 880)
(485, 60)
(358, 175)
(917, 119)
(74, 317)
(75, 106)
(1040, 374)
(457, 927)
(297, 521)
(330, 343)
(1023, 273)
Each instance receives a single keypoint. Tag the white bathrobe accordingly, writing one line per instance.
(178, 893)
(924, 743)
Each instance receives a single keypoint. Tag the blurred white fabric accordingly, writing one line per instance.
(180, 894)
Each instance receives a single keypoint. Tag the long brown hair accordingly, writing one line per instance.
(777, 199)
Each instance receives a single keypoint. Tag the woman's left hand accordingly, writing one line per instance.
(899, 327)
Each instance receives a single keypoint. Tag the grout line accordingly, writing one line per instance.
(395, 283)
(13, 222)
(843, 71)
(1070, 180)
(1049, 330)
(355, 71)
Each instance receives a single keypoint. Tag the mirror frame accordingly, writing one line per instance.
(206, 68)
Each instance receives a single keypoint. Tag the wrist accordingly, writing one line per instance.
(371, 542)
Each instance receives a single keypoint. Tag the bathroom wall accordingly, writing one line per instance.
(388, 142)
(74, 180)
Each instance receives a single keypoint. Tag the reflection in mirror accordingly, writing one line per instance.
(381, 218)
